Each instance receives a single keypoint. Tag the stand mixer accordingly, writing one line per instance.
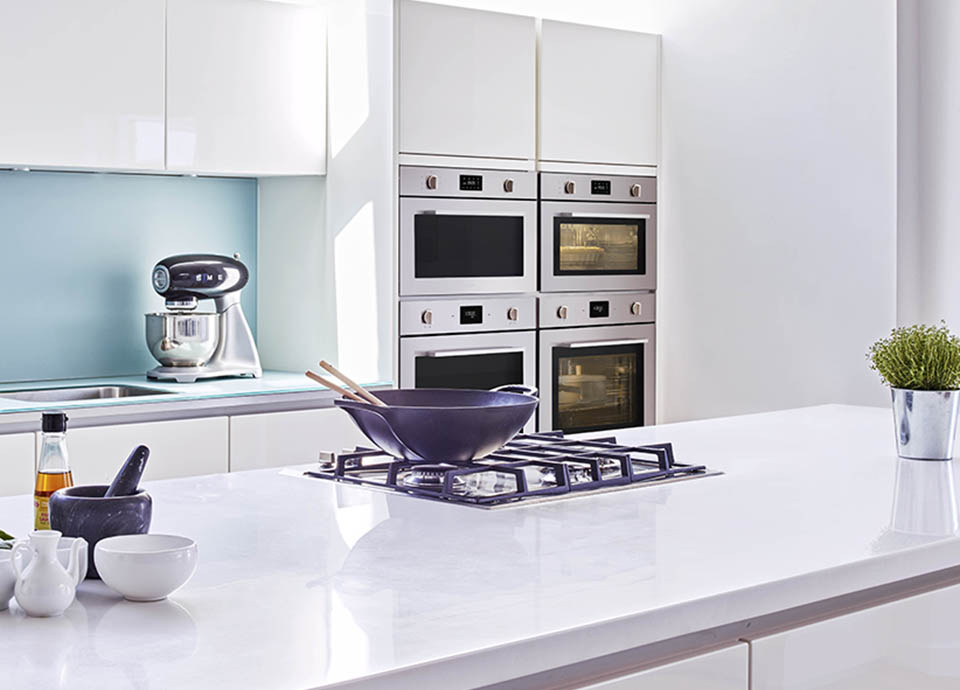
(193, 345)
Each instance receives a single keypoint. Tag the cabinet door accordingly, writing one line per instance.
(180, 448)
(724, 669)
(246, 87)
(289, 438)
(17, 464)
(599, 95)
(82, 84)
(912, 643)
(467, 82)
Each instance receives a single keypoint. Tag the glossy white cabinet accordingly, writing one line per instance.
(724, 669)
(599, 95)
(81, 84)
(466, 82)
(289, 438)
(246, 87)
(179, 448)
(910, 643)
(17, 464)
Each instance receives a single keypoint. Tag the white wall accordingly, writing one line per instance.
(326, 243)
(929, 146)
(777, 196)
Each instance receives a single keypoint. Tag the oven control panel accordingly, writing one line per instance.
(467, 315)
(422, 181)
(578, 187)
(596, 309)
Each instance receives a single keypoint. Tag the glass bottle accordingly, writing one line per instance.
(53, 467)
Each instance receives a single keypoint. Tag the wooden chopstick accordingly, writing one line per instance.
(369, 397)
(334, 387)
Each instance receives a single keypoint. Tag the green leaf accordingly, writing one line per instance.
(918, 358)
(5, 537)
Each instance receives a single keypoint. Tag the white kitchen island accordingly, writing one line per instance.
(306, 584)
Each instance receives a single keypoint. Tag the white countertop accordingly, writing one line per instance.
(303, 583)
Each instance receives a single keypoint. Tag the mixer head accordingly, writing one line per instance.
(186, 278)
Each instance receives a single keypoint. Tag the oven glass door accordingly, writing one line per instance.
(598, 247)
(467, 246)
(480, 361)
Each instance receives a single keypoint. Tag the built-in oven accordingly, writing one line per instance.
(468, 343)
(597, 232)
(467, 231)
(597, 361)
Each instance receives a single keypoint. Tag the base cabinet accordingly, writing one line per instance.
(724, 669)
(289, 438)
(180, 448)
(910, 643)
(17, 461)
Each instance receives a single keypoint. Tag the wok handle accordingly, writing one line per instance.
(517, 388)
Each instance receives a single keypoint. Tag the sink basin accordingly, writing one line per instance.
(81, 393)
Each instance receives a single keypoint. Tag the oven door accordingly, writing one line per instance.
(467, 246)
(597, 246)
(597, 378)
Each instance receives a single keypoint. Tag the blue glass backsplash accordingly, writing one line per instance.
(76, 251)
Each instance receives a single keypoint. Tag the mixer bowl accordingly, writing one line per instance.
(183, 340)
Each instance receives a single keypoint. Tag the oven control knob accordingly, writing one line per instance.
(635, 190)
(569, 187)
(512, 314)
(508, 185)
(562, 312)
(427, 316)
(635, 308)
(431, 181)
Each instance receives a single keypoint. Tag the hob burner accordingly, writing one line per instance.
(531, 467)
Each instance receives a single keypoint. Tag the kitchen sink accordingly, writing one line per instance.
(80, 393)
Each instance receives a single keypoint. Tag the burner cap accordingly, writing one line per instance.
(425, 476)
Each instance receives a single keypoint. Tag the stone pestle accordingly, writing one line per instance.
(128, 478)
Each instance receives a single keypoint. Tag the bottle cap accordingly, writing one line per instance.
(55, 422)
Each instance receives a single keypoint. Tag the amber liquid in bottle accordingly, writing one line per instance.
(47, 483)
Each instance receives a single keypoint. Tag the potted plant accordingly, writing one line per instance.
(921, 364)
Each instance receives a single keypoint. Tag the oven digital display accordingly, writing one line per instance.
(472, 183)
(600, 187)
(599, 309)
(470, 315)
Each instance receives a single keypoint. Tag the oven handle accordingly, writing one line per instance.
(473, 212)
(571, 214)
(469, 352)
(607, 343)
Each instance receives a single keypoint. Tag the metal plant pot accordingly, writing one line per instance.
(926, 423)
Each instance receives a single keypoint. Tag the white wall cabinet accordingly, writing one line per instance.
(599, 95)
(289, 438)
(82, 84)
(724, 669)
(910, 643)
(466, 81)
(179, 448)
(245, 87)
(17, 464)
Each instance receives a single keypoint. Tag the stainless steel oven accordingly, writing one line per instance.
(467, 231)
(468, 342)
(597, 361)
(597, 232)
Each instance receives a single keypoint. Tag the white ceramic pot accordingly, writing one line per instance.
(145, 567)
(7, 579)
(44, 587)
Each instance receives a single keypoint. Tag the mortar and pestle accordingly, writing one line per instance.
(98, 511)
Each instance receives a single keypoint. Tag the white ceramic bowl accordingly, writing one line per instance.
(145, 567)
(8, 579)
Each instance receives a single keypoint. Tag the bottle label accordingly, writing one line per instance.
(41, 512)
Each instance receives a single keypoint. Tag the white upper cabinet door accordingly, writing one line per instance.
(911, 643)
(246, 87)
(467, 82)
(599, 95)
(81, 84)
(724, 669)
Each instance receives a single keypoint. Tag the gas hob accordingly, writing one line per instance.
(530, 468)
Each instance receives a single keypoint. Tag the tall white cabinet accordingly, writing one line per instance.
(466, 82)
(245, 87)
(599, 95)
(82, 84)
